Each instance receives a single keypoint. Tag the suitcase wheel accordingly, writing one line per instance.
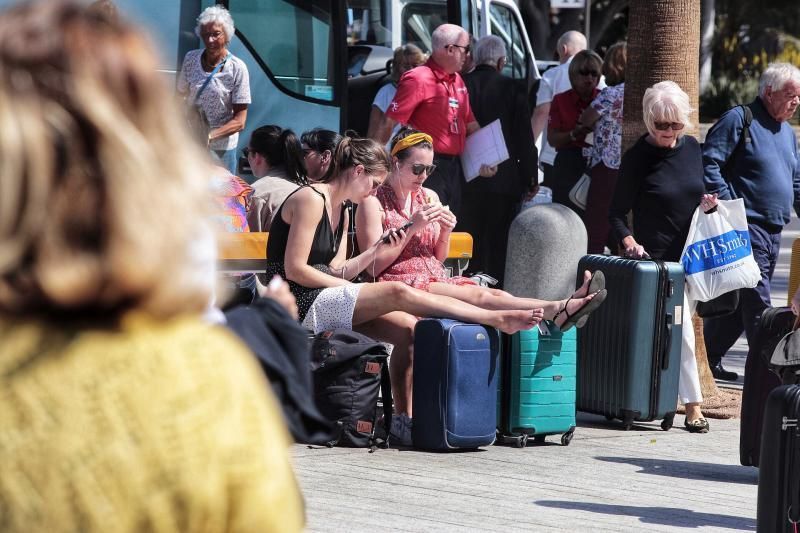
(666, 424)
(522, 441)
(566, 438)
(627, 420)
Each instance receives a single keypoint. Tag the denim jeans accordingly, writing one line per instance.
(227, 159)
(721, 333)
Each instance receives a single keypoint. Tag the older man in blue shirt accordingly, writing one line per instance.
(765, 172)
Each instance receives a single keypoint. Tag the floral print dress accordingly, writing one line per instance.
(417, 264)
(608, 129)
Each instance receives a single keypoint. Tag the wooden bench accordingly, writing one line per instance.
(247, 252)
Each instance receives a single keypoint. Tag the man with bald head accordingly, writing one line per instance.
(553, 82)
(432, 98)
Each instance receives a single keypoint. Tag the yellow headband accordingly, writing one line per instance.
(409, 141)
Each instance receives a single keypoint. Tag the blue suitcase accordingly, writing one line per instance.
(455, 385)
(537, 386)
(629, 352)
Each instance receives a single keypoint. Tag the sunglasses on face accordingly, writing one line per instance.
(419, 168)
(592, 73)
(664, 126)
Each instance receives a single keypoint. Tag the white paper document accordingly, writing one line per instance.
(487, 146)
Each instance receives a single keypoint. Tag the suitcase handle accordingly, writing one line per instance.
(667, 341)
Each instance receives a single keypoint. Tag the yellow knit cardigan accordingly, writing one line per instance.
(155, 426)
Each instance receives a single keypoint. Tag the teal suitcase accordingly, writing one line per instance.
(629, 352)
(537, 386)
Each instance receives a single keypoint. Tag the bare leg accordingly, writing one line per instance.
(398, 329)
(377, 299)
(488, 298)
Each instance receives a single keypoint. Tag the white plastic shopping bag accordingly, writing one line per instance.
(717, 257)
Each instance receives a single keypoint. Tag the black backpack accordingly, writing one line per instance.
(349, 370)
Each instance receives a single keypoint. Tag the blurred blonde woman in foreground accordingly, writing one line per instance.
(120, 410)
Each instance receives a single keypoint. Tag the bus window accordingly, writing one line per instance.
(367, 23)
(293, 41)
(419, 21)
(505, 26)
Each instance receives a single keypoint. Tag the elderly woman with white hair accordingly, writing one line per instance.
(661, 181)
(216, 86)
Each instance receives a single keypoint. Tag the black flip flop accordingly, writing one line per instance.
(583, 311)
(596, 284)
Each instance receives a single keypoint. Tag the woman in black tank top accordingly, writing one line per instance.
(307, 246)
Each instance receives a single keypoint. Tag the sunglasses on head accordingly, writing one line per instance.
(587, 72)
(664, 126)
(419, 168)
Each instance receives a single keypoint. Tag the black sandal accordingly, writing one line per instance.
(596, 284)
(582, 312)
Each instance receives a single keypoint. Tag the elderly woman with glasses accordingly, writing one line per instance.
(661, 181)
(216, 86)
(565, 132)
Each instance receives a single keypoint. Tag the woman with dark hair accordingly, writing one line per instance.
(307, 247)
(605, 116)
(275, 156)
(318, 148)
(565, 133)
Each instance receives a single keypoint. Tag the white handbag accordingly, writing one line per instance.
(580, 192)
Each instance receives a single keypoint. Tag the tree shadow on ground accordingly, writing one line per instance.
(745, 475)
(667, 516)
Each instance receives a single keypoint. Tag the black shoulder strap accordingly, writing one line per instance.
(744, 137)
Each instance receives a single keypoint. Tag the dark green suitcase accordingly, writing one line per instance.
(629, 353)
(537, 386)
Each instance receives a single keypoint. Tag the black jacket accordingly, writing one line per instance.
(493, 96)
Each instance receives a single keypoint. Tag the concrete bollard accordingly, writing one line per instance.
(545, 243)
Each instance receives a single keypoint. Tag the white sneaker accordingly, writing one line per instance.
(400, 432)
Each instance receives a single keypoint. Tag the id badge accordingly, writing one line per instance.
(453, 102)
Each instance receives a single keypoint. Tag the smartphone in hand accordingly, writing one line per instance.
(404, 227)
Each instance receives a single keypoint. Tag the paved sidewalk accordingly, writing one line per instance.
(606, 480)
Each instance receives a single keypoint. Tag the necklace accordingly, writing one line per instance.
(207, 65)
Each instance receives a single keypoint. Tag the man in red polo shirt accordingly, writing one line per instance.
(433, 99)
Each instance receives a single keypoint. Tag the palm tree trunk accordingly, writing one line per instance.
(664, 44)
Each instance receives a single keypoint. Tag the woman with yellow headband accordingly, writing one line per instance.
(419, 227)
(423, 225)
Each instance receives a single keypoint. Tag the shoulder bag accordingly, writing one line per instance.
(195, 116)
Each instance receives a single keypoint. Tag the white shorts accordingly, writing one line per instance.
(333, 309)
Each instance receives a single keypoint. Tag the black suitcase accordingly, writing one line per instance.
(759, 380)
(779, 474)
